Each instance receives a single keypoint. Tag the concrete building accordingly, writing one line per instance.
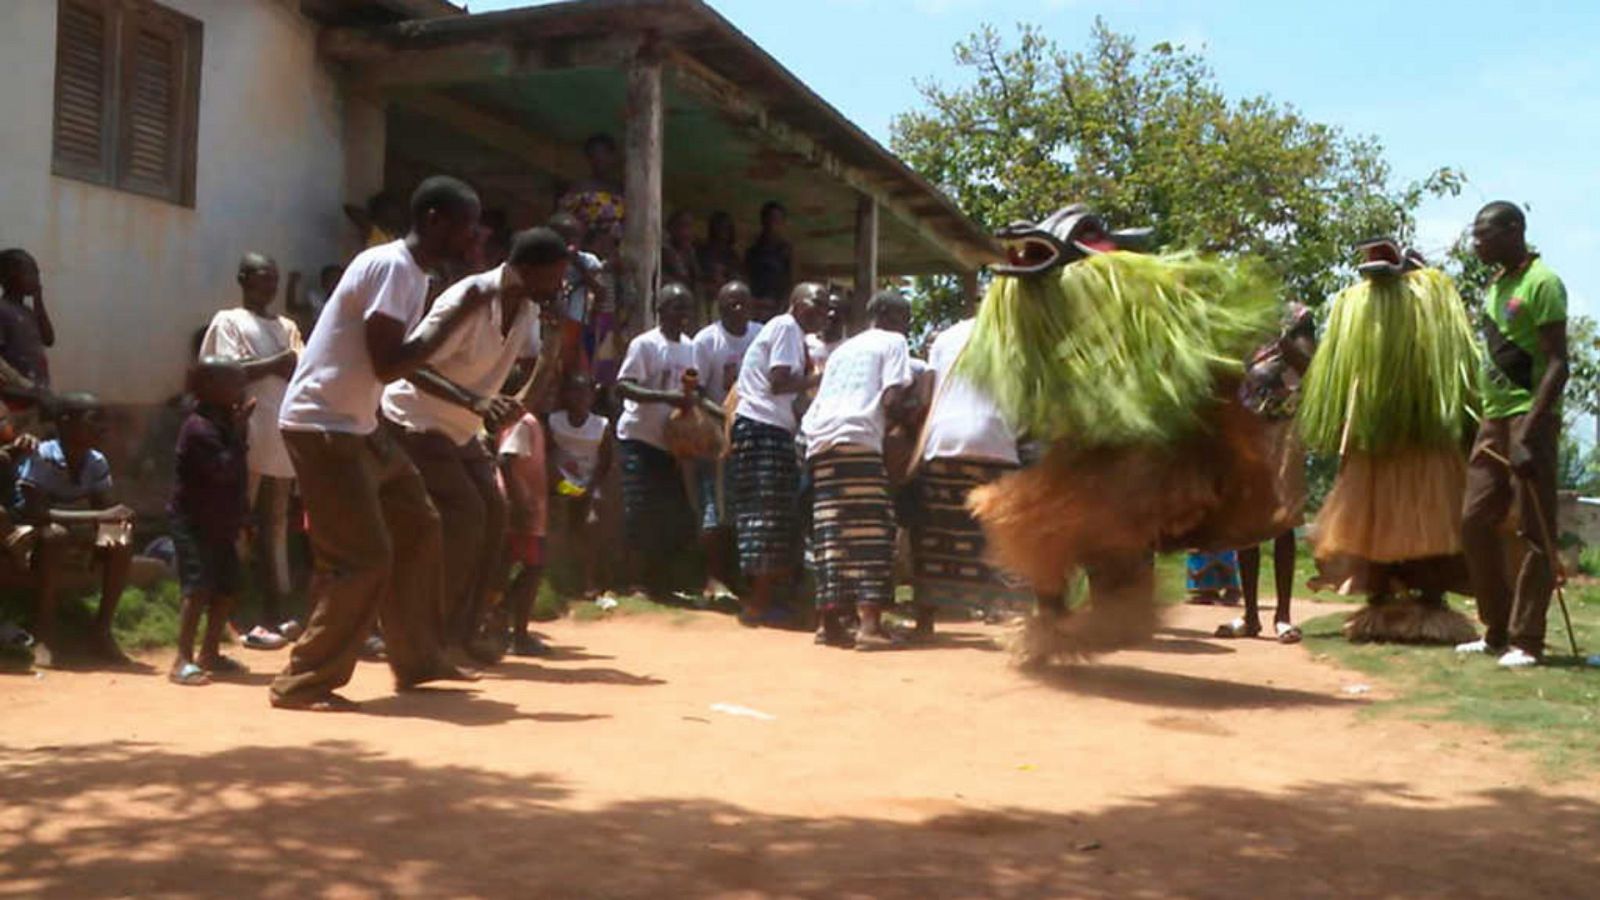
(148, 143)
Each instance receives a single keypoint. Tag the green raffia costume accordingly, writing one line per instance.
(1392, 392)
(1128, 367)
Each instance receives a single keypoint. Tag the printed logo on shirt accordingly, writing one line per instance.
(1514, 308)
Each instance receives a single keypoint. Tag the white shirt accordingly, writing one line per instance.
(658, 364)
(334, 388)
(964, 422)
(718, 354)
(477, 357)
(820, 350)
(849, 405)
(781, 343)
(577, 448)
(242, 335)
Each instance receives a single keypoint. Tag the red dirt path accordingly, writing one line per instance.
(1193, 767)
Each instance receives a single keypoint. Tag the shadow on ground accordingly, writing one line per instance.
(131, 819)
(1151, 687)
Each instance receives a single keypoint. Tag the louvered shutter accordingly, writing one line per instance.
(85, 54)
(152, 138)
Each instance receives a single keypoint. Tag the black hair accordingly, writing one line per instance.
(597, 140)
(442, 193)
(331, 267)
(72, 405)
(809, 292)
(770, 207)
(671, 291)
(537, 247)
(208, 367)
(679, 216)
(720, 217)
(574, 376)
(12, 257)
(1504, 212)
(883, 301)
(252, 259)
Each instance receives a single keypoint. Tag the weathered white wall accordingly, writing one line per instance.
(128, 279)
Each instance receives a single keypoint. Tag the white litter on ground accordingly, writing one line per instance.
(745, 711)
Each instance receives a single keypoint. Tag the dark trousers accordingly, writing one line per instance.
(375, 539)
(1512, 614)
(472, 512)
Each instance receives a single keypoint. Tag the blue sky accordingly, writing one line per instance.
(1508, 93)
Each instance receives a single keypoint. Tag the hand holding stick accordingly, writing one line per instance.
(1550, 551)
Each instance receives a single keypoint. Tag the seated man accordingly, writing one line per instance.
(64, 493)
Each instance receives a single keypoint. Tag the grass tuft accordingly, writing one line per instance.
(1552, 711)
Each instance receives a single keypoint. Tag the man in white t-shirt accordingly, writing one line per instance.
(267, 347)
(719, 351)
(437, 413)
(766, 473)
(823, 343)
(658, 523)
(374, 533)
(865, 389)
(966, 443)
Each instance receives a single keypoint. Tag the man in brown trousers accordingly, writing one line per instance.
(374, 533)
(1514, 459)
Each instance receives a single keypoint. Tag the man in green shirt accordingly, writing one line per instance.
(1525, 329)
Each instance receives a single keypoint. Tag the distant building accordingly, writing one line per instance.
(148, 144)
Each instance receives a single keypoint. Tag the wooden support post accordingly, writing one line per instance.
(641, 237)
(969, 291)
(866, 274)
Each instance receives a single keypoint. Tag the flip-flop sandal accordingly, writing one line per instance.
(1287, 633)
(225, 665)
(260, 638)
(871, 643)
(1238, 628)
(189, 675)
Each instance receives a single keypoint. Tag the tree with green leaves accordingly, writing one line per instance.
(1148, 137)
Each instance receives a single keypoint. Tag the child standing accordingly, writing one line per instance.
(208, 510)
(579, 459)
(522, 470)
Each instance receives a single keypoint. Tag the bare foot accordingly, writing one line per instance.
(105, 647)
(329, 702)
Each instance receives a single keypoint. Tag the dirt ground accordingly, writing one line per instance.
(1192, 767)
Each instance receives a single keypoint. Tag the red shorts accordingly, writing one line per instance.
(525, 548)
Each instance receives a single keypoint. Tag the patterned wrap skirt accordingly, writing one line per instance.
(853, 528)
(766, 481)
(948, 548)
(657, 519)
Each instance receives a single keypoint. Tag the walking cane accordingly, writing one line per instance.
(1556, 564)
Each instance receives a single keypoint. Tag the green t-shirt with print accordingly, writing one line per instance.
(1519, 305)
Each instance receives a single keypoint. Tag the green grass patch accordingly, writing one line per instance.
(145, 619)
(627, 605)
(1552, 711)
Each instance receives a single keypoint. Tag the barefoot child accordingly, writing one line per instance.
(208, 510)
(579, 459)
(522, 471)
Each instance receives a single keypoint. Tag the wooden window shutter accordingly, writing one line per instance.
(85, 66)
(156, 105)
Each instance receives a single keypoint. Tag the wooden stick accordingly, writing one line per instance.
(1349, 416)
(1558, 567)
